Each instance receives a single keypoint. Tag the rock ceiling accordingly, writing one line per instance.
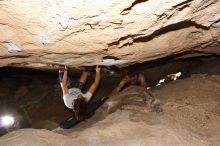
(38, 33)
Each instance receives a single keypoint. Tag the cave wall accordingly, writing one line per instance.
(35, 96)
(38, 33)
(190, 116)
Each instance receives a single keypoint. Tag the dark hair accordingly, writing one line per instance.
(134, 78)
(130, 73)
(79, 108)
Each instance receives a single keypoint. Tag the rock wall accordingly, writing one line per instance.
(81, 32)
(33, 100)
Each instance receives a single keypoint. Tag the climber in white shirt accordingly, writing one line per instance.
(73, 97)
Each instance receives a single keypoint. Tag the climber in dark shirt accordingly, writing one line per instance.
(130, 80)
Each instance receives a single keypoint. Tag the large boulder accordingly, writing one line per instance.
(80, 33)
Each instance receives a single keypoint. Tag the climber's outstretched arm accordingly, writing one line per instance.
(120, 85)
(95, 84)
(63, 74)
(142, 80)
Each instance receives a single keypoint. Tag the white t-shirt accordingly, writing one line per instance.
(73, 94)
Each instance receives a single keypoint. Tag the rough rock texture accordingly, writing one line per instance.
(191, 116)
(81, 32)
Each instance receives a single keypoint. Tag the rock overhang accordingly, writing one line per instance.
(37, 33)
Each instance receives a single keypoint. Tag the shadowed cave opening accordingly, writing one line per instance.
(34, 96)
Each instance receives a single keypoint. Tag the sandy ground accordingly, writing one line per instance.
(190, 117)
